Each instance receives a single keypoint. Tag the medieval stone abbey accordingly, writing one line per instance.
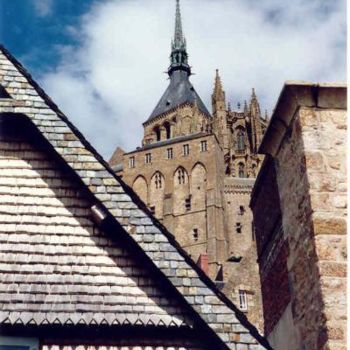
(195, 171)
(224, 230)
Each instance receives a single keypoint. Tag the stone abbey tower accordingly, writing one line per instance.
(195, 171)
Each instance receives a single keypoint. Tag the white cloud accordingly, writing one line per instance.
(109, 84)
(43, 8)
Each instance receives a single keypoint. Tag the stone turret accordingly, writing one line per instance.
(218, 96)
(255, 120)
(220, 113)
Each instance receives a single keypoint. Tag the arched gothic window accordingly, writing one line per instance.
(157, 132)
(241, 170)
(158, 181)
(240, 140)
(181, 176)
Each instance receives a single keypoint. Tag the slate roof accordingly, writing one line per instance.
(123, 207)
(56, 264)
(179, 92)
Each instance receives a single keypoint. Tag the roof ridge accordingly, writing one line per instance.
(136, 219)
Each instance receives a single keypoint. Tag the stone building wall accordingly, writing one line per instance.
(241, 271)
(183, 192)
(203, 192)
(272, 247)
(312, 247)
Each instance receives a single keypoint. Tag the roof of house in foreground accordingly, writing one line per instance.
(122, 207)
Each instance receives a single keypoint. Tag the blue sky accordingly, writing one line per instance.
(103, 61)
(33, 30)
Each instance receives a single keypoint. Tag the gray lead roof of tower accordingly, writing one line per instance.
(179, 91)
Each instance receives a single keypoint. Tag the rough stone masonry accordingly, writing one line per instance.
(300, 207)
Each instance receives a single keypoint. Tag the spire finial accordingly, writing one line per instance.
(245, 107)
(179, 56)
(178, 24)
(253, 93)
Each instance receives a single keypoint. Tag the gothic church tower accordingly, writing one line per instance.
(195, 171)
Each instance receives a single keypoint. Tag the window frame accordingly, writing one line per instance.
(148, 158)
(243, 299)
(240, 145)
(241, 170)
(186, 149)
(170, 153)
(132, 162)
(188, 203)
(204, 146)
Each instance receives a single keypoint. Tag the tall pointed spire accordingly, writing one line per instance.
(254, 105)
(218, 93)
(178, 38)
(180, 90)
(179, 56)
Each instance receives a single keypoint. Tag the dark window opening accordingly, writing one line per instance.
(204, 146)
(238, 227)
(241, 210)
(167, 130)
(157, 132)
(4, 93)
(153, 210)
(148, 158)
(158, 181)
(170, 153)
(195, 234)
(188, 203)
(181, 176)
(186, 150)
(241, 170)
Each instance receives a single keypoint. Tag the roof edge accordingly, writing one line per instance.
(296, 94)
(172, 110)
(128, 190)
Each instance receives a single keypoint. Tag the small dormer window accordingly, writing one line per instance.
(168, 103)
